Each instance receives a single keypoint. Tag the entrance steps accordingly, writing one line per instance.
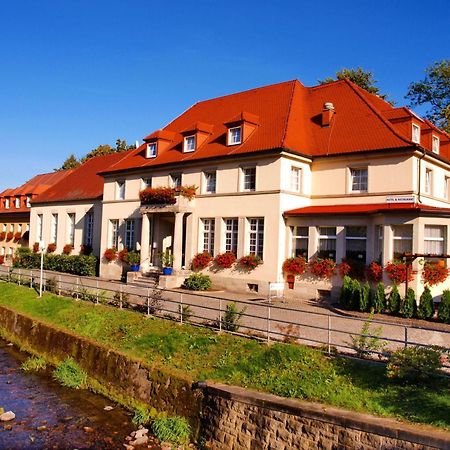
(148, 279)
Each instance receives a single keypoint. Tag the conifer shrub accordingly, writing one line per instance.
(408, 305)
(364, 298)
(444, 307)
(394, 300)
(356, 295)
(426, 307)
(379, 299)
(346, 292)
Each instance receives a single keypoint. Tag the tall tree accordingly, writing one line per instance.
(70, 163)
(101, 150)
(363, 78)
(434, 90)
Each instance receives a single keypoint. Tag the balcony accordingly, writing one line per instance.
(163, 200)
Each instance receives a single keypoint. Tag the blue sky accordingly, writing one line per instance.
(78, 73)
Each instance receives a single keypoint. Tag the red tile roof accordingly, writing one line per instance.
(288, 117)
(369, 208)
(83, 183)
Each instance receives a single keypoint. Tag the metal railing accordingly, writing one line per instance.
(261, 319)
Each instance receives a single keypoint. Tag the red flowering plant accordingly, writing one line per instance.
(67, 249)
(110, 254)
(17, 236)
(322, 268)
(396, 271)
(85, 249)
(434, 273)
(375, 272)
(51, 248)
(295, 266)
(36, 247)
(201, 260)
(225, 260)
(2, 235)
(250, 261)
(158, 196)
(123, 255)
(344, 269)
(2, 259)
(186, 191)
(10, 236)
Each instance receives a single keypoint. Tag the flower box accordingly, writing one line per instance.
(10, 236)
(110, 254)
(434, 273)
(225, 260)
(17, 236)
(396, 271)
(201, 260)
(67, 249)
(322, 268)
(250, 262)
(295, 266)
(2, 235)
(51, 248)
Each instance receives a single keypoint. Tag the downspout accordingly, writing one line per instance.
(420, 174)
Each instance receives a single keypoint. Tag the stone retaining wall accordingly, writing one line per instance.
(239, 419)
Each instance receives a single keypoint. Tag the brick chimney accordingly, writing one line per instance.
(327, 114)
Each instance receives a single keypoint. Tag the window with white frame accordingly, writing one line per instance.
(28, 201)
(415, 133)
(114, 233)
(71, 228)
(54, 229)
(231, 235)
(208, 235)
(428, 181)
(175, 180)
(210, 182)
(296, 179)
(379, 236)
(403, 238)
(356, 243)
(10, 251)
(130, 235)
(88, 229)
(17, 204)
(256, 236)
(327, 243)
(435, 239)
(435, 144)
(146, 183)
(7, 203)
(189, 144)
(11, 227)
(120, 190)
(300, 238)
(19, 228)
(234, 135)
(359, 179)
(4, 227)
(248, 178)
(150, 151)
(446, 187)
(39, 227)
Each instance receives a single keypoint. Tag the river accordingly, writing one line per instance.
(50, 416)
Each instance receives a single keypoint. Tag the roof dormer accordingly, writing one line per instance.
(195, 136)
(158, 141)
(241, 127)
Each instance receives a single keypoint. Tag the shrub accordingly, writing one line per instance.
(322, 268)
(394, 300)
(134, 258)
(110, 254)
(232, 317)
(379, 299)
(67, 249)
(225, 260)
(51, 248)
(364, 298)
(198, 282)
(426, 307)
(250, 262)
(415, 364)
(368, 340)
(166, 258)
(356, 295)
(295, 266)
(396, 271)
(444, 307)
(172, 429)
(434, 273)
(375, 272)
(201, 260)
(69, 374)
(346, 292)
(408, 305)
(34, 364)
(142, 416)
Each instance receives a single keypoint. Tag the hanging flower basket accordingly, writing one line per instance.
(18, 236)
(250, 262)
(322, 268)
(51, 248)
(67, 249)
(396, 271)
(434, 273)
(295, 266)
(2, 235)
(375, 272)
(10, 236)
(225, 260)
(201, 260)
(110, 254)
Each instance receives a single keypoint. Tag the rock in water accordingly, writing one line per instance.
(8, 415)
(140, 441)
(140, 433)
(108, 408)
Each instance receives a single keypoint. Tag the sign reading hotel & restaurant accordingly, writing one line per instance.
(401, 199)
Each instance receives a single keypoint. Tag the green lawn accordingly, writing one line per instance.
(200, 354)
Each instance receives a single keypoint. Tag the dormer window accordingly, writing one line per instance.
(415, 133)
(435, 144)
(151, 150)
(7, 203)
(28, 202)
(189, 144)
(234, 135)
(17, 202)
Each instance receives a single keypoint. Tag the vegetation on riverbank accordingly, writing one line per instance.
(199, 354)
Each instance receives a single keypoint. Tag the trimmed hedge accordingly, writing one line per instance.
(74, 264)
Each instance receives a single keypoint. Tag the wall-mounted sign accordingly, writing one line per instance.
(401, 199)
